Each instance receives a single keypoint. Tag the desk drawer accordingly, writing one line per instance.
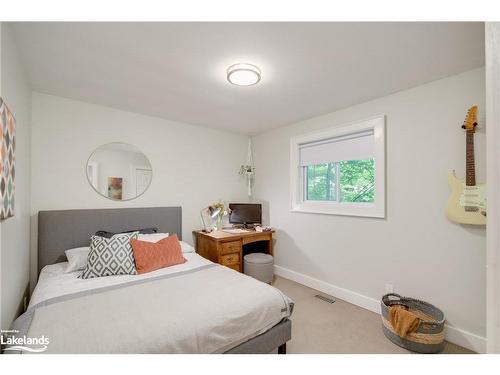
(234, 266)
(230, 258)
(264, 236)
(230, 247)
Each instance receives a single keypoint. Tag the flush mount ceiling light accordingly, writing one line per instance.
(243, 74)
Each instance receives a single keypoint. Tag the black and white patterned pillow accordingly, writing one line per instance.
(110, 256)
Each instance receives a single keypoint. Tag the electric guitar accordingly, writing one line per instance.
(467, 203)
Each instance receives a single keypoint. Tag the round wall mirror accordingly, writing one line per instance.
(119, 171)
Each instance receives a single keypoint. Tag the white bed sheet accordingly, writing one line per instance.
(55, 282)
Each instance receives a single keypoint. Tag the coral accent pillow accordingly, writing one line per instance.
(150, 256)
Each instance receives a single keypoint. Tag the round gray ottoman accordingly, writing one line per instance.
(260, 266)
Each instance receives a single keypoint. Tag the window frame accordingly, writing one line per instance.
(298, 180)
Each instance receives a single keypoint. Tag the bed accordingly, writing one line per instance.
(195, 307)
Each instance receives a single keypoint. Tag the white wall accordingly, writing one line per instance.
(493, 134)
(192, 166)
(415, 248)
(15, 234)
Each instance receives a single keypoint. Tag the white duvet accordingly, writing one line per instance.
(195, 307)
(54, 282)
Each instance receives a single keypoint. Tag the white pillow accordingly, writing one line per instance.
(77, 258)
(187, 248)
(153, 237)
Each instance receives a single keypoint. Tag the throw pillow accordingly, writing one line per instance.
(110, 256)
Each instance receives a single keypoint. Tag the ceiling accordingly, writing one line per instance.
(177, 70)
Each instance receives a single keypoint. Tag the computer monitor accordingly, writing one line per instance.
(245, 213)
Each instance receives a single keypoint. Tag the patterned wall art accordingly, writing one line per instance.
(115, 185)
(7, 161)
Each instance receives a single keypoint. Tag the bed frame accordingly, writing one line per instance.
(66, 229)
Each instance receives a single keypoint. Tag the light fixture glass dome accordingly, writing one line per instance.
(243, 74)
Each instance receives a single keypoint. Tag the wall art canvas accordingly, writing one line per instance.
(115, 185)
(7, 161)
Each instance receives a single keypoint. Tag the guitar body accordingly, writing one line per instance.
(467, 204)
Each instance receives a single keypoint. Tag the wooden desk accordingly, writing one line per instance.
(227, 248)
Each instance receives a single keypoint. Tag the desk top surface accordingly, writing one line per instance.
(220, 234)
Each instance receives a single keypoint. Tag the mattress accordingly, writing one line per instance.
(195, 307)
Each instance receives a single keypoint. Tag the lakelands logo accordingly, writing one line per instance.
(11, 341)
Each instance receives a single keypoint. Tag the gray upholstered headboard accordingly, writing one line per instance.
(66, 229)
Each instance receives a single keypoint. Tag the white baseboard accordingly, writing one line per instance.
(466, 339)
(347, 295)
(453, 334)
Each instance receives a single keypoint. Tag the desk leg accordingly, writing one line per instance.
(270, 246)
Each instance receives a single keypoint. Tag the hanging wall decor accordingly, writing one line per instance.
(7, 161)
(248, 170)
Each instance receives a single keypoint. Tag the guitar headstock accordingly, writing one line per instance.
(470, 121)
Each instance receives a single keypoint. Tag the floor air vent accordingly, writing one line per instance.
(323, 298)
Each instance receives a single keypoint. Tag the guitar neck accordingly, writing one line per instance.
(470, 165)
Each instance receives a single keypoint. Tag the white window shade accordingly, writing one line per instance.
(356, 146)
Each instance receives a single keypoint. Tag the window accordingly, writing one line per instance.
(345, 181)
(340, 171)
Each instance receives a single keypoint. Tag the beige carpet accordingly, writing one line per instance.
(321, 327)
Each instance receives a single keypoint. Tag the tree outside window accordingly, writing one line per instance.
(351, 181)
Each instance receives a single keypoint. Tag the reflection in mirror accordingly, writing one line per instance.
(119, 171)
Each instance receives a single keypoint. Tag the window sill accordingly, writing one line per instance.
(340, 209)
